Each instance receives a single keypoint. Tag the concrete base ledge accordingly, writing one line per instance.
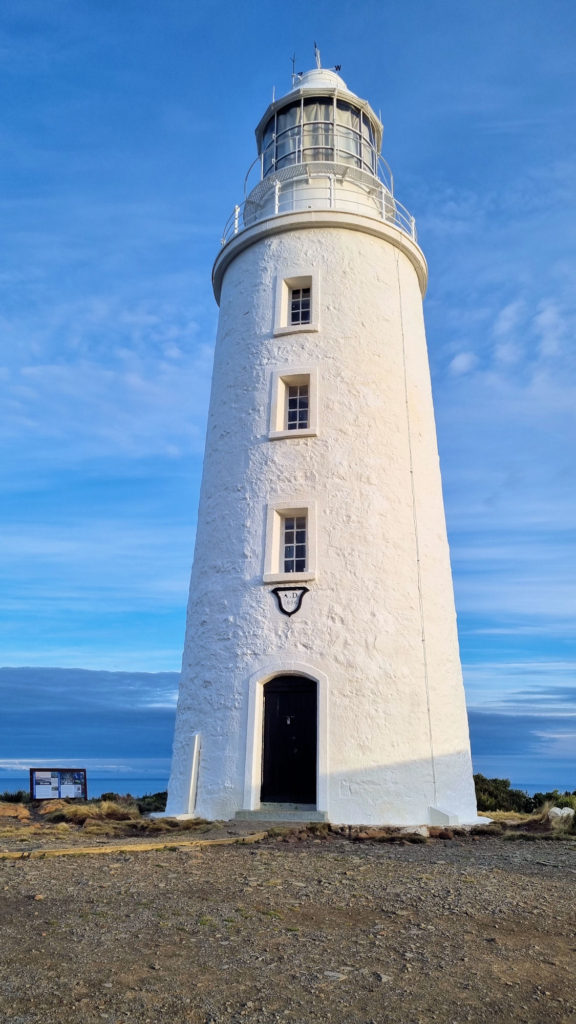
(282, 813)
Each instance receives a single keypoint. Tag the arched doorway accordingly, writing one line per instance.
(290, 731)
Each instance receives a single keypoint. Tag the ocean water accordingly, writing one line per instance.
(132, 785)
(142, 786)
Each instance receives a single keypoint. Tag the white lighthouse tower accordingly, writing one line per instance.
(321, 676)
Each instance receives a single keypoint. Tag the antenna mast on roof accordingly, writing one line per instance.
(317, 56)
(293, 59)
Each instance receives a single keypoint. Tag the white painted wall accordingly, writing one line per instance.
(378, 626)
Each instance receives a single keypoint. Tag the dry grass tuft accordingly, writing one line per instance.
(320, 829)
(512, 817)
(11, 810)
(131, 824)
(542, 813)
(17, 831)
(194, 824)
(101, 810)
(280, 831)
(48, 806)
(99, 827)
(493, 830)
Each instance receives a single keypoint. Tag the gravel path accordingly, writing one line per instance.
(471, 929)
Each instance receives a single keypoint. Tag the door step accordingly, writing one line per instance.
(283, 812)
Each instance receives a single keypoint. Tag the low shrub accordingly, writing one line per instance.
(151, 803)
(555, 799)
(20, 796)
(496, 795)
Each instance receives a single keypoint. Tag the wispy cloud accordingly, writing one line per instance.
(463, 363)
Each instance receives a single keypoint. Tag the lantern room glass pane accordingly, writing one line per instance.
(348, 121)
(317, 130)
(368, 145)
(287, 135)
(268, 147)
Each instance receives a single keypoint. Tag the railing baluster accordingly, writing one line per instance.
(369, 202)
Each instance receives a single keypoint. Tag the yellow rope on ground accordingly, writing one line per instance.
(77, 851)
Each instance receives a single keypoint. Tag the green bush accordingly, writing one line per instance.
(151, 802)
(21, 796)
(496, 795)
(555, 798)
(146, 804)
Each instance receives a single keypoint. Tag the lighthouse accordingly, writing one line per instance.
(321, 676)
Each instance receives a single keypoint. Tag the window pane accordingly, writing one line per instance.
(287, 135)
(268, 147)
(318, 130)
(297, 400)
(300, 306)
(293, 555)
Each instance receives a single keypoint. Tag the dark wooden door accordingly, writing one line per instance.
(289, 756)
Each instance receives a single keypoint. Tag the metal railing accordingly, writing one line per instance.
(322, 189)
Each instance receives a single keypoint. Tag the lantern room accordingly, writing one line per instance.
(318, 150)
(319, 120)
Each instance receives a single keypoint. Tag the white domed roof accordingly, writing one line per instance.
(320, 78)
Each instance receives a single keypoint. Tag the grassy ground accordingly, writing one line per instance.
(62, 821)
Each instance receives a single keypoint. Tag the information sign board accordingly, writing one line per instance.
(52, 783)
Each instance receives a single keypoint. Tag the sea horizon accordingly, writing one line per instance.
(142, 786)
(96, 786)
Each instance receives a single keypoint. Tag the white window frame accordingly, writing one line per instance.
(274, 554)
(284, 285)
(281, 380)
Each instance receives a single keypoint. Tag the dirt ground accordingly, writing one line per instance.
(286, 930)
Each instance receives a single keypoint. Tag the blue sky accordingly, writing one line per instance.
(127, 132)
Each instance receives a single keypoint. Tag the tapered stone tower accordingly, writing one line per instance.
(321, 675)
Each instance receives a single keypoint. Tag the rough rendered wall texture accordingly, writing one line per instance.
(379, 620)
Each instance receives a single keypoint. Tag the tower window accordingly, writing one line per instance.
(297, 412)
(294, 544)
(294, 404)
(297, 303)
(290, 553)
(300, 305)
